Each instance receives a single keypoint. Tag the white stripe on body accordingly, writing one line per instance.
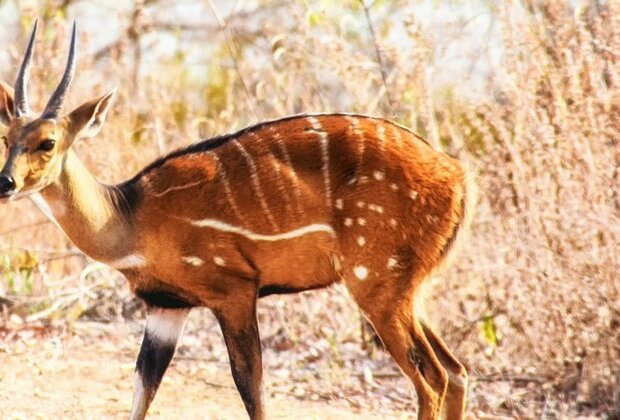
(229, 195)
(380, 128)
(358, 132)
(289, 164)
(128, 261)
(177, 188)
(279, 179)
(324, 140)
(296, 233)
(397, 135)
(256, 183)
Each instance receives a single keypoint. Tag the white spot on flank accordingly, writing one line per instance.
(219, 261)
(337, 263)
(339, 204)
(362, 180)
(128, 261)
(379, 175)
(360, 204)
(394, 187)
(324, 140)
(413, 194)
(360, 272)
(392, 263)
(193, 260)
(374, 207)
(393, 222)
(352, 181)
(348, 222)
(296, 233)
(361, 241)
(166, 325)
(361, 221)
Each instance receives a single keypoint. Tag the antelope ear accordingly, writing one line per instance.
(86, 121)
(6, 103)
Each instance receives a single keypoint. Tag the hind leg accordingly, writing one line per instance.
(454, 404)
(404, 338)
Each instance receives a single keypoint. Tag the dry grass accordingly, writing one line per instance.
(533, 304)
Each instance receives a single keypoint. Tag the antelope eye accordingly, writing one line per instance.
(47, 145)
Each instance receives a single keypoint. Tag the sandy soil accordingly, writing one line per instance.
(87, 373)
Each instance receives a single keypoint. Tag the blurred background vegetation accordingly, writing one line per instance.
(527, 92)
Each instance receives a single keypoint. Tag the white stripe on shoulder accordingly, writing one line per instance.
(324, 139)
(296, 233)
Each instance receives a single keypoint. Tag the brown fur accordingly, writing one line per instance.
(392, 202)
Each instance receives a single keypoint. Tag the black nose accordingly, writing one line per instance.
(7, 184)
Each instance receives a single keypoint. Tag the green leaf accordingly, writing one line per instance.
(489, 330)
(315, 18)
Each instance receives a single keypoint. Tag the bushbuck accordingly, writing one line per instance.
(283, 206)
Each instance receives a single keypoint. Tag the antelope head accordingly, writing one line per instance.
(36, 145)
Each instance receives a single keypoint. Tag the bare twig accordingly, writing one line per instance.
(382, 68)
(251, 99)
(29, 225)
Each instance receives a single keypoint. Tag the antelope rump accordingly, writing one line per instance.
(283, 206)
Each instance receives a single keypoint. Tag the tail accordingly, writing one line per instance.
(469, 196)
(460, 232)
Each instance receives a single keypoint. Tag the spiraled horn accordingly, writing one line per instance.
(54, 105)
(21, 106)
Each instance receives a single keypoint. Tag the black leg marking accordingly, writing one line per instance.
(153, 360)
(163, 329)
(416, 359)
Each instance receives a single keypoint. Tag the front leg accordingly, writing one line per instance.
(240, 329)
(162, 332)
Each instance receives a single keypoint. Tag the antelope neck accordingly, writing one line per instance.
(94, 216)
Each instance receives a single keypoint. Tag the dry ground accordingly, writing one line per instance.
(87, 372)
